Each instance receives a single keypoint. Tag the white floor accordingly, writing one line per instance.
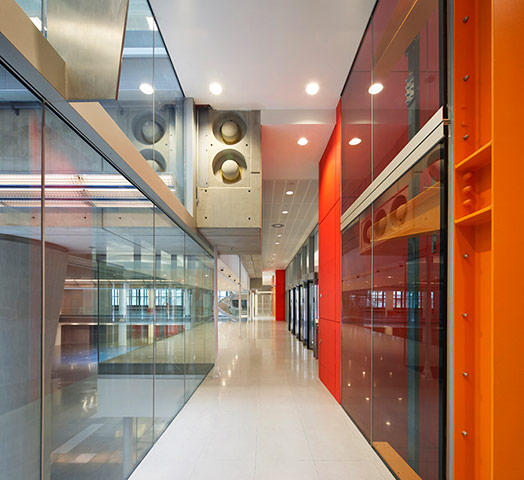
(263, 414)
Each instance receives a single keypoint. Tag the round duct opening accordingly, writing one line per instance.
(148, 129)
(229, 166)
(229, 128)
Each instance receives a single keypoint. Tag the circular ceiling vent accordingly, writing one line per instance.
(229, 166)
(277, 225)
(229, 128)
(148, 129)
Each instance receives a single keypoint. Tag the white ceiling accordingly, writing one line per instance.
(263, 53)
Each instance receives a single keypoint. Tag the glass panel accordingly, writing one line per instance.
(408, 317)
(198, 318)
(169, 318)
(150, 106)
(356, 126)
(33, 9)
(169, 122)
(100, 302)
(400, 53)
(357, 321)
(21, 290)
(406, 63)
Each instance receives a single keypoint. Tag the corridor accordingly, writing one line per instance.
(262, 414)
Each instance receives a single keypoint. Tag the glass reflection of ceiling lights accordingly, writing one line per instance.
(74, 190)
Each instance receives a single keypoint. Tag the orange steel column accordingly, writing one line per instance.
(488, 267)
(508, 230)
(472, 262)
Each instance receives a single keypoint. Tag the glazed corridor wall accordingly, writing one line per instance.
(127, 333)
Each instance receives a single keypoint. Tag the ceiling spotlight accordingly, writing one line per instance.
(375, 88)
(277, 225)
(215, 88)
(312, 88)
(277, 243)
(279, 235)
(302, 141)
(289, 192)
(146, 88)
(285, 212)
(355, 141)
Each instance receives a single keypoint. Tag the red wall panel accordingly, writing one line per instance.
(329, 356)
(280, 295)
(329, 247)
(329, 173)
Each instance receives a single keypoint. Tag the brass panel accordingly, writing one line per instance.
(17, 30)
(89, 36)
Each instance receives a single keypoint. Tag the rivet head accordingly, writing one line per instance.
(465, 374)
(466, 78)
(465, 137)
(465, 19)
(465, 315)
(464, 433)
(466, 256)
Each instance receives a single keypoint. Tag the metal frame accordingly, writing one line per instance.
(427, 137)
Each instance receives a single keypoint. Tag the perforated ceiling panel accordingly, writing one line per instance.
(298, 223)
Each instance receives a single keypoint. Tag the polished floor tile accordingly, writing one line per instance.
(262, 414)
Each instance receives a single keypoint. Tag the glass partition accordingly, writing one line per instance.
(150, 105)
(170, 324)
(393, 89)
(356, 112)
(393, 318)
(357, 321)
(127, 332)
(21, 293)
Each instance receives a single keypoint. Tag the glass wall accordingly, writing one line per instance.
(150, 105)
(21, 292)
(394, 87)
(393, 318)
(126, 333)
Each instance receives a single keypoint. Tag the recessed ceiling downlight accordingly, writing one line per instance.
(289, 192)
(277, 225)
(215, 88)
(355, 141)
(302, 141)
(285, 212)
(375, 88)
(146, 88)
(312, 88)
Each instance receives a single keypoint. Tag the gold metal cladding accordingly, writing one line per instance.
(104, 126)
(89, 36)
(19, 31)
